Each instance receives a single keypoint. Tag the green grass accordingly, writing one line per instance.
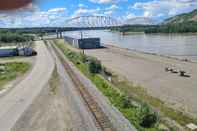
(115, 96)
(117, 99)
(138, 93)
(12, 70)
(12, 58)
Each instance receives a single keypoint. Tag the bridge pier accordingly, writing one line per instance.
(59, 34)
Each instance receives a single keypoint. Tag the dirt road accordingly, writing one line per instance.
(62, 111)
(16, 101)
(149, 71)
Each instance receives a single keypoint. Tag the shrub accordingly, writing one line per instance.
(149, 120)
(147, 117)
(94, 66)
(126, 102)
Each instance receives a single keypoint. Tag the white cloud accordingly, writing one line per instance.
(108, 12)
(112, 7)
(57, 10)
(33, 17)
(85, 11)
(106, 1)
(81, 5)
(165, 8)
(148, 14)
(130, 16)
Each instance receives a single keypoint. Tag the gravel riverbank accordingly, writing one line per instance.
(148, 71)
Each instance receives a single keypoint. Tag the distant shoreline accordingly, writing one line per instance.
(133, 32)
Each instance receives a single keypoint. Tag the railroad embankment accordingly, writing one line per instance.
(133, 72)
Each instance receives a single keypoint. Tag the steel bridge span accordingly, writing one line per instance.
(77, 23)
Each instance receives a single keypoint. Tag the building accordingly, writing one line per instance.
(26, 51)
(83, 43)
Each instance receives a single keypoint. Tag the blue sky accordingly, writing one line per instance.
(55, 12)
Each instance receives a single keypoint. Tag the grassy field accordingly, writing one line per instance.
(131, 108)
(10, 71)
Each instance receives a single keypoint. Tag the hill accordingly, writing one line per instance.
(182, 18)
(183, 23)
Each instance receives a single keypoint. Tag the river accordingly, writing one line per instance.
(175, 45)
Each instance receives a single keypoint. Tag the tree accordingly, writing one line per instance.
(15, 37)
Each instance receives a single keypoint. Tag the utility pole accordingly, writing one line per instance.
(57, 33)
(81, 39)
(81, 34)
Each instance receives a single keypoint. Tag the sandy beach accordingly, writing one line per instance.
(148, 71)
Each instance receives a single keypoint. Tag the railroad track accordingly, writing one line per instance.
(101, 120)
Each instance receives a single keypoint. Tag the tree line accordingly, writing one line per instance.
(185, 27)
(133, 28)
(14, 37)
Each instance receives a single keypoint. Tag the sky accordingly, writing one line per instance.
(56, 12)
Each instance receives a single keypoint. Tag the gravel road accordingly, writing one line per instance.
(62, 111)
(16, 101)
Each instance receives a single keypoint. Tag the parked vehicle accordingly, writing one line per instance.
(26, 51)
(8, 51)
